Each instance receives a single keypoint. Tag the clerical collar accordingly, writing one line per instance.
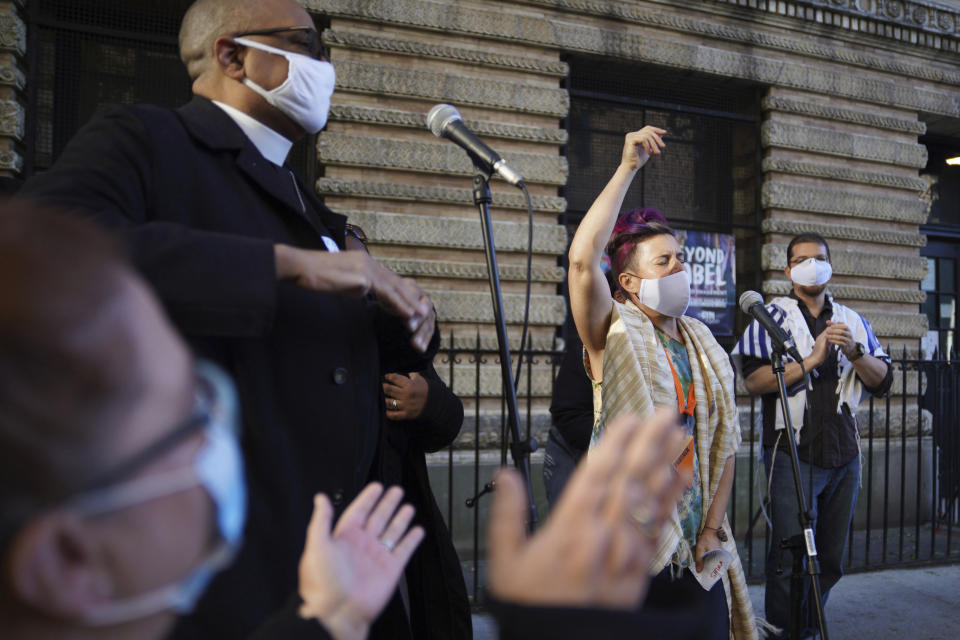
(271, 145)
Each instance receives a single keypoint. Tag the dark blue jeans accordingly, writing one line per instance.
(833, 495)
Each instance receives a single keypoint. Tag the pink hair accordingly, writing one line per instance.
(631, 228)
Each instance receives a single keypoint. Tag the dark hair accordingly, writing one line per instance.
(807, 237)
(66, 372)
(630, 229)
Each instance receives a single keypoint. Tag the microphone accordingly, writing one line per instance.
(751, 303)
(445, 122)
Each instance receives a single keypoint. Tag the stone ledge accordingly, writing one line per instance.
(855, 263)
(430, 157)
(841, 172)
(446, 195)
(474, 306)
(844, 232)
(839, 143)
(853, 292)
(487, 128)
(841, 202)
(420, 49)
(455, 233)
(366, 77)
(418, 268)
(842, 114)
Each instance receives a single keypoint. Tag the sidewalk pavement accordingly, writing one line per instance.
(918, 604)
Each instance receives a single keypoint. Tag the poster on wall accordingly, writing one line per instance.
(709, 260)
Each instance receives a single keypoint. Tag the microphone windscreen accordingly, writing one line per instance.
(440, 116)
(748, 299)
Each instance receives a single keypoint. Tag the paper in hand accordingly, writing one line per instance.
(715, 564)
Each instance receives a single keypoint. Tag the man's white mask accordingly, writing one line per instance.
(304, 96)
(811, 272)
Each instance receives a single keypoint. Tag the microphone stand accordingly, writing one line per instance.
(804, 540)
(520, 449)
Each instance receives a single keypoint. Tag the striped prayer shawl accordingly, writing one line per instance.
(786, 312)
(637, 378)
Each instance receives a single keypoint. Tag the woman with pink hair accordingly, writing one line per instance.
(643, 353)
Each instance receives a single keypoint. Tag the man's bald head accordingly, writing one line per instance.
(207, 20)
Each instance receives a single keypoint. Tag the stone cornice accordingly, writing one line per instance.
(12, 76)
(853, 292)
(474, 306)
(365, 77)
(842, 203)
(419, 49)
(13, 31)
(910, 15)
(555, 33)
(753, 36)
(11, 161)
(855, 263)
(844, 232)
(12, 118)
(430, 157)
(455, 233)
(419, 268)
(486, 128)
(842, 114)
(446, 195)
(844, 173)
(839, 143)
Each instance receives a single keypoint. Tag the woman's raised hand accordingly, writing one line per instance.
(640, 145)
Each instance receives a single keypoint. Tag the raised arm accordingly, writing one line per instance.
(590, 299)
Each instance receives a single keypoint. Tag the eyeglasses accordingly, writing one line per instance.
(798, 259)
(212, 394)
(310, 40)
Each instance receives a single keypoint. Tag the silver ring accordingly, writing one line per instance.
(388, 545)
(394, 404)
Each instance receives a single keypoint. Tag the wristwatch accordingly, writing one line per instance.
(857, 353)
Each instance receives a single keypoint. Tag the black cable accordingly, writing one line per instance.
(526, 308)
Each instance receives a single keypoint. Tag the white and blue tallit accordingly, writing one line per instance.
(786, 312)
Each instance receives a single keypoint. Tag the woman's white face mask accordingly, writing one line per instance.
(811, 273)
(668, 295)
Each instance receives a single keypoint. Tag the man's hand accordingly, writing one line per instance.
(595, 548)
(708, 541)
(406, 397)
(839, 334)
(640, 145)
(354, 274)
(347, 578)
(819, 352)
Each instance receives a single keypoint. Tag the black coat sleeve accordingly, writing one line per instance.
(213, 283)
(524, 622)
(288, 624)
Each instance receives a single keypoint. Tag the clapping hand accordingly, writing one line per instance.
(347, 576)
(595, 548)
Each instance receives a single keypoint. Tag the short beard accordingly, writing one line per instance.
(811, 292)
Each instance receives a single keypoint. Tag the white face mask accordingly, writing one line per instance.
(668, 295)
(811, 272)
(218, 468)
(304, 96)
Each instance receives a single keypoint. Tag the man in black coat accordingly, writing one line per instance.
(248, 264)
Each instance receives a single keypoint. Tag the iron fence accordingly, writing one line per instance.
(909, 502)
